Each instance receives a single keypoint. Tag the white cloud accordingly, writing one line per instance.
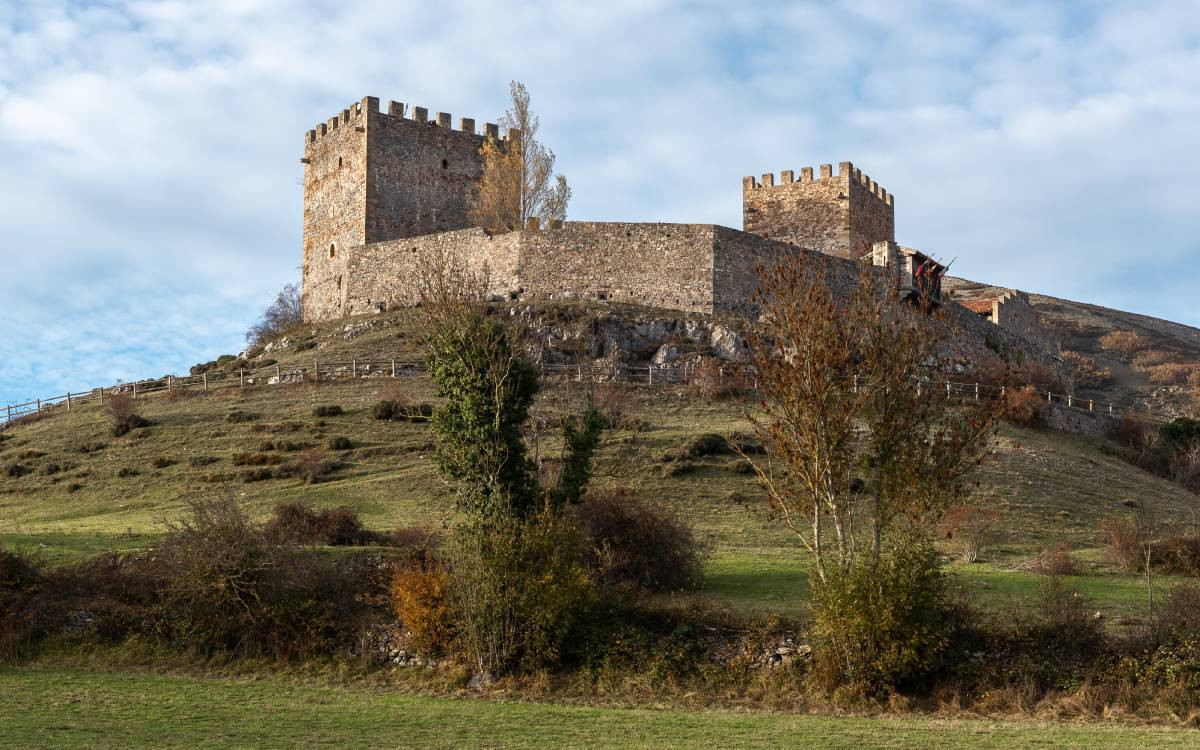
(148, 150)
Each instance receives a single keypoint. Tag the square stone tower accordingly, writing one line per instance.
(843, 215)
(371, 176)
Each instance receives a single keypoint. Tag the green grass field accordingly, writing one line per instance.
(66, 708)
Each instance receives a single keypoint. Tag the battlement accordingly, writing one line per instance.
(355, 115)
(847, 173)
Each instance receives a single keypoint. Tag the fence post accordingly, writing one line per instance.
(579, 375)
(1090, 404)
(8, 411)
(278, 376)
(39, 403)
(393, 367)
(854, 385)
(135, 390)
(1049, 397)
(1070, 396)
(101, 396)
(205, 376)
(947, 389)
(1110, 409)
(170, 383)
(651, 377)
(68, 401)
(918, 387)
(1003, 390)
(316, 371)
(977, 391)
(241, 378)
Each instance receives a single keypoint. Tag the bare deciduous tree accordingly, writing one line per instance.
(281, 316)
(518, 181)
(853, 436)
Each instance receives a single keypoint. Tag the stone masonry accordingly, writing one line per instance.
(384, 189)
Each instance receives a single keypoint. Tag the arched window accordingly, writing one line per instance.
(445, 164)
(332, 250)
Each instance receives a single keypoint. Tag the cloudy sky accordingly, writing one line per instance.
(149, 151)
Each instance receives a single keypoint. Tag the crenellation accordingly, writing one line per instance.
(806, 174)
(467, 125)
(826, 171)
(395, 108)
(491, 130)
(786, 177)
(420, 114)
(443, 120)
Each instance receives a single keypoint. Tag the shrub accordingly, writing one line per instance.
(199, 461)
(1177, 555)
(519, 586)
(1055, 561)
(240, 415)
(20, 578)
(121, 411)
(224, 587)
(1170, 373)
(1130, 431)
(329, 410)
(1125, 343)
(1124, 542)
(740, 466)
(883, 624)
(385, 410)
(1023, 406)
(340, 443)
(161, 462)
(714, 379)
(313, 466)
(16, 470)
(969, 527)
(634, 542)
(707, 444)
(1084, 371)
(420, 598)
(126, 471)
(1180, 614)
(1181, 431)
(297, 523)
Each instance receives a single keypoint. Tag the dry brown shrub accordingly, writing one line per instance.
(969, 527)
(1084, 371)
(1125, 343)
(1055, 561)
(1177, 555)
(1023, 406)
(635, 542)
(1171, 373)
(1124, 542)
(712, 378)
(1152, 357)
(419, 594)
(1181, 611)
(121, 411)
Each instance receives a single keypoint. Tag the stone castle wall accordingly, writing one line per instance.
(372, 176)
(840, 215)
(1012, 312)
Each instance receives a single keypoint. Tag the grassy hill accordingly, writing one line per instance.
(79, 490)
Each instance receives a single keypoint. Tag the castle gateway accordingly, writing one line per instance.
(383, 187)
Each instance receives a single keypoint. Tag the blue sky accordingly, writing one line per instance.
(149, 151)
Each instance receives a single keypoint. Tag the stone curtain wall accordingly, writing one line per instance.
(840, 215)
(659, 265)
(335, 157)
(385, 275)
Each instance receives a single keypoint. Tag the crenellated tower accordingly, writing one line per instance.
(842, 215)
(371, 176)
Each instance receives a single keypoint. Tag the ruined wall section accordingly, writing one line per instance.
(653, 264)
(1012, 312)
(335, 156)
(421, 174)
(840, 215)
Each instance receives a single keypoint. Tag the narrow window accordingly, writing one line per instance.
(339, 162)
(445, 164)
(332, 250)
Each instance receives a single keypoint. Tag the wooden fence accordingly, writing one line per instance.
(741, 376)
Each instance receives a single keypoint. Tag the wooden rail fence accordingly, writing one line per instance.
(647, 375)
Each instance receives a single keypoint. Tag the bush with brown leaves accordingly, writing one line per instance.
(634, 542)
(121, 411)
(1084, 371)
(1124, 343)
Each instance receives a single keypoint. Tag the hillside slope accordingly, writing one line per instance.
(79, 490)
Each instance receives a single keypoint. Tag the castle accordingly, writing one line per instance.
(382, 188)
